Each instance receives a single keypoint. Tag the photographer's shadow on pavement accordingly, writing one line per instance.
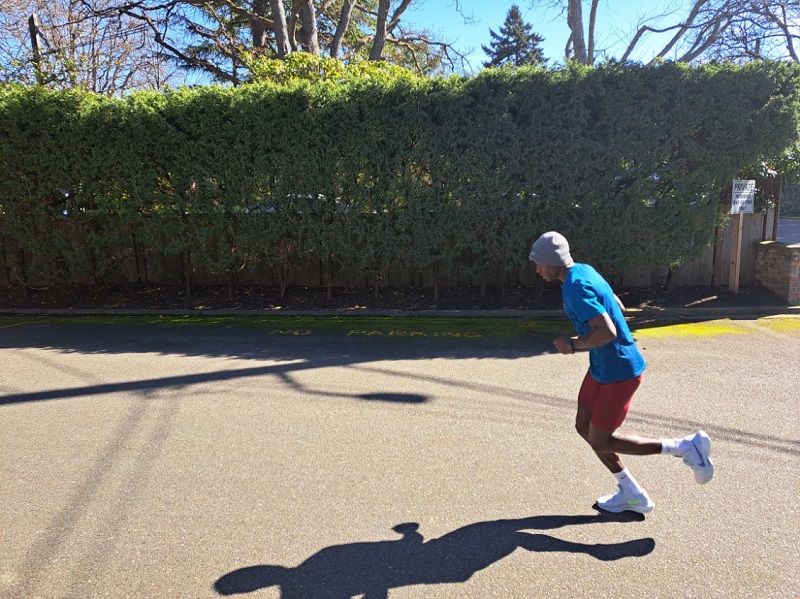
(372, 568)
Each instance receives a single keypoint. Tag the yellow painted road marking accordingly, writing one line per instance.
(694, 329)
(786, 325)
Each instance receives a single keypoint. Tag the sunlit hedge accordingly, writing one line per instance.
(383, 169)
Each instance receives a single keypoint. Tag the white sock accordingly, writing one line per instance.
(676, 447)
(629, 484)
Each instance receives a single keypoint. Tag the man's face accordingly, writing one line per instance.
(548, 273)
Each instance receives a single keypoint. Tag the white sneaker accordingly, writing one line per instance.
(621, 502)
(698, 457)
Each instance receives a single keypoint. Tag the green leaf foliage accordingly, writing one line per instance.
(367, 169)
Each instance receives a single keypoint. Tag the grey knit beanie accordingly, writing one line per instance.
(551, 249)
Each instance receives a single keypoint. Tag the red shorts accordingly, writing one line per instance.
(609, 402)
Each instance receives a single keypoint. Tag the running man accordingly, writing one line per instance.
(615, 373)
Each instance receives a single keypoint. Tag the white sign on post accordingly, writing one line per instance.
(743, 199)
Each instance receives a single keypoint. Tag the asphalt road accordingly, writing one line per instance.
(184, 461)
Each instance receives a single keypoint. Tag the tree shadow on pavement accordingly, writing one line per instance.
(279, 356)
(390, 340)
(371, 569)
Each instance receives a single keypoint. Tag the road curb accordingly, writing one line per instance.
(635, 313)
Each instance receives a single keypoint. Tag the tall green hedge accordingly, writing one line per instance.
(373, 172)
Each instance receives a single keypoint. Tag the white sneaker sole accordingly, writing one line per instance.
(639, 509)
(703, 472)
(645, 505)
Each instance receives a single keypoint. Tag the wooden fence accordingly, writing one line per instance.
(713, 268)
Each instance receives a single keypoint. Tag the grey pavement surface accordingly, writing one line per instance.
(789, 230)
(160, 461)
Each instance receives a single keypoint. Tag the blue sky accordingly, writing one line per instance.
(617, 21)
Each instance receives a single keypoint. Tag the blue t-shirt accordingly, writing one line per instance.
(586, 294)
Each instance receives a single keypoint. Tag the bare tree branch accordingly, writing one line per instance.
(239, 11)
(79, 49)
(682, 28)
(782, 24)
(453, 57)
(217, 36)
(700, 45)
(724, 29)
(189, 60)
(398, 12)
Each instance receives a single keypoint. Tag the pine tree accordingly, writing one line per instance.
(516, 43)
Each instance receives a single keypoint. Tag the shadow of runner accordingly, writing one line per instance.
(372, 568)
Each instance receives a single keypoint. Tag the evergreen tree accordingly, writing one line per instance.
(516, 43)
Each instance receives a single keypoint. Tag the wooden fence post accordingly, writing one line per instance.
(736, 254)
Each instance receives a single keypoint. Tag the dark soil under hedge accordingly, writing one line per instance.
(309, 299)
